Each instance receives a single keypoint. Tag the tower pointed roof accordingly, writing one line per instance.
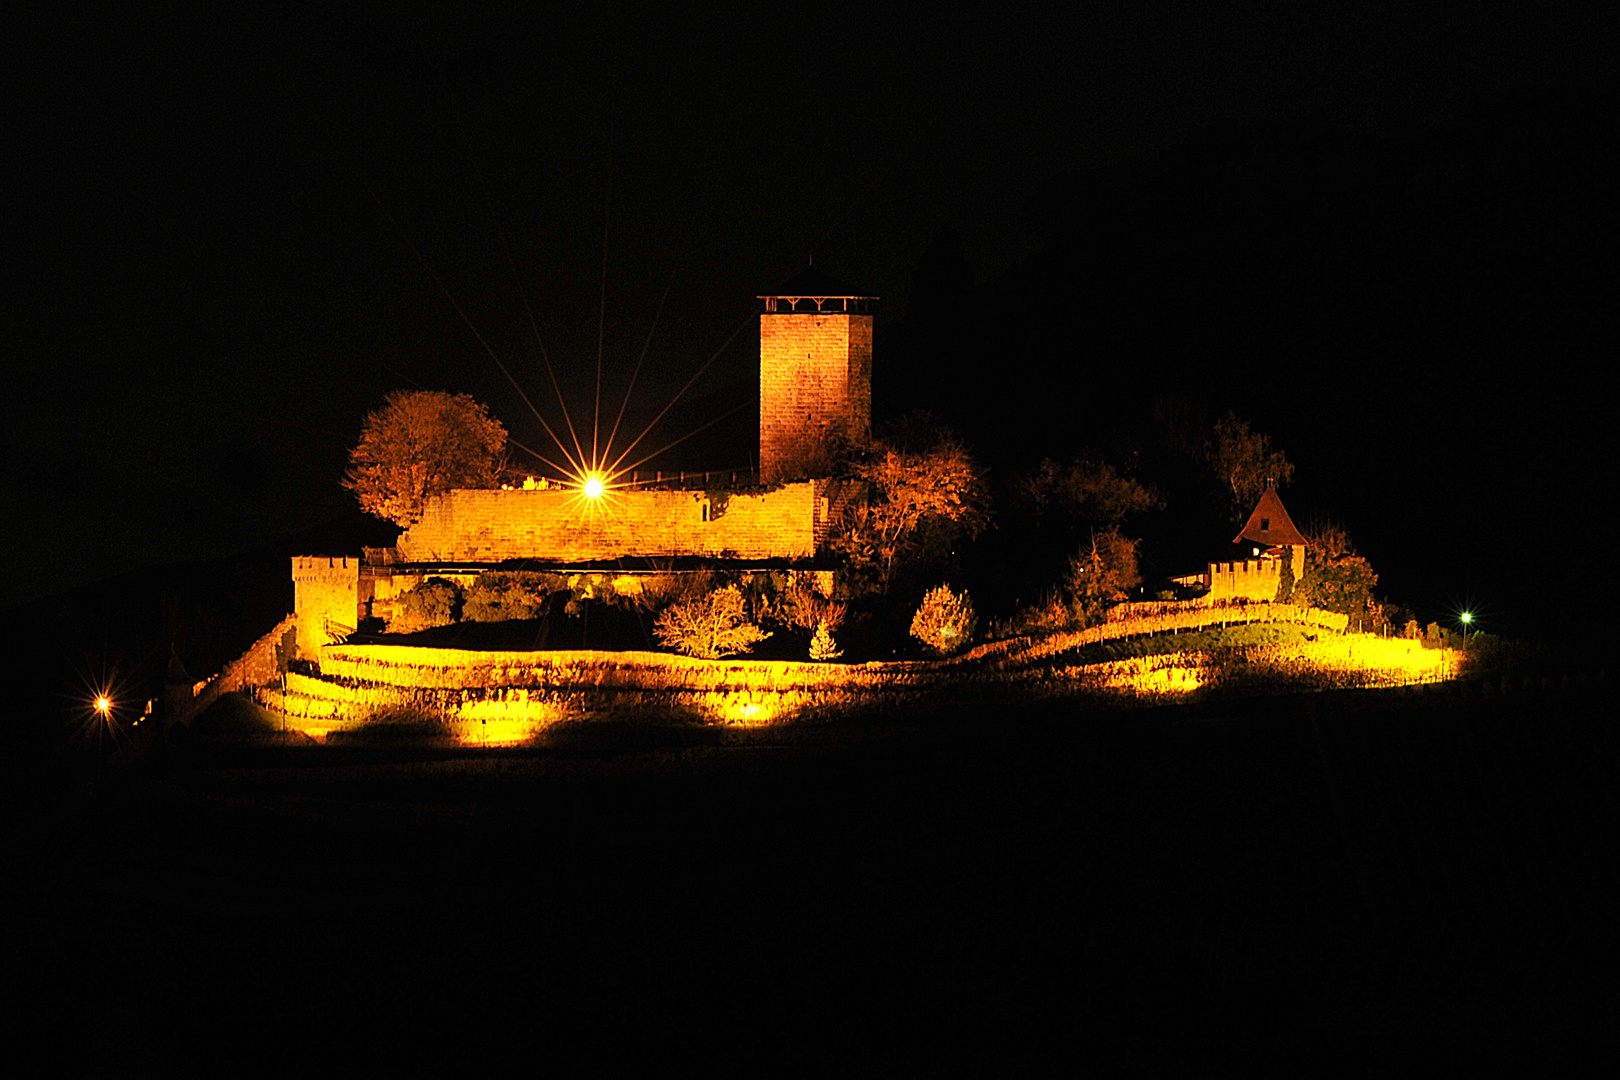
(1270, 524)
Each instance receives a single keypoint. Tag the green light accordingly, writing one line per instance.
(1467, 617)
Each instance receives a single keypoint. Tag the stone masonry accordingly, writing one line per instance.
(326, 598)
(815, 384)
(486, 526)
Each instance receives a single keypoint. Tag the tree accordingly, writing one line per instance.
(919, 498)
(1244, 462)
(709, 626)
(1091, 492)
(423, 443)
(822, 646)
(801, 607)
(1336, 578)
(497, 596)
(944, 621)
(432, 603)
(1103, 573)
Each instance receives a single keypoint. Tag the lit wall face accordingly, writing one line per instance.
(1251, 579)
(561, 526)
(815, 383)
(326, 598)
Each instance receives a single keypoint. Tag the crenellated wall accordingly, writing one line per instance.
(562, 526)
(1251, 579)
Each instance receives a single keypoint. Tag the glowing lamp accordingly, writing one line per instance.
(103, 704)
(1466, 617)
(593, 487)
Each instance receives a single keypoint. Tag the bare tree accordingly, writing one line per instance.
(1103, 573)
(1244, 462)
(710, 626)
(1086, 491)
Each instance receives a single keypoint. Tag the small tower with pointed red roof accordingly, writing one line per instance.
(1276, 554)
(1273, 533)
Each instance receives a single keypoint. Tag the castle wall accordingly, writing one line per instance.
(260, 665)
(815, 382)
(326, 598)
(488, 526)
(1251, 579)
(263, 661)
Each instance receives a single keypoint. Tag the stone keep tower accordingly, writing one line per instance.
(815, 373)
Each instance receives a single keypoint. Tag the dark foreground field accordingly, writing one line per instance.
(1354, 884)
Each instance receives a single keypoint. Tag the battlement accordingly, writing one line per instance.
(1249, 579)
(325, 568)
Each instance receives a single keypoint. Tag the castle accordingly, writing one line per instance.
(815, 391)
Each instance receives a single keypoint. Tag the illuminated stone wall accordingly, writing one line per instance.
(262, 662)
(261, 665)
(326, 598)
(815, 381)
(1251, 579)
(562, 526)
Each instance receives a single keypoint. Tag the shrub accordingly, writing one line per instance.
(1336, 578)
(1103, 573)
(822, 646)
(709, 626)
(944, 621)
(432, 603)
(803, 608)
(1052, 613)
(497, 596)
(659, 590)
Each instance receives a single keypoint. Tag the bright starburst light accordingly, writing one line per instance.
(100, 723)
(597, 472)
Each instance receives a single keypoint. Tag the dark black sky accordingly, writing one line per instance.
(214, 296)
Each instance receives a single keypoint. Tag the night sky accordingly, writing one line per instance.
(1389, 242)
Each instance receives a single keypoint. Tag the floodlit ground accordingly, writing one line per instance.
(484, 698)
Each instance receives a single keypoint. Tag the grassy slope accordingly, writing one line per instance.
(1193, 641)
